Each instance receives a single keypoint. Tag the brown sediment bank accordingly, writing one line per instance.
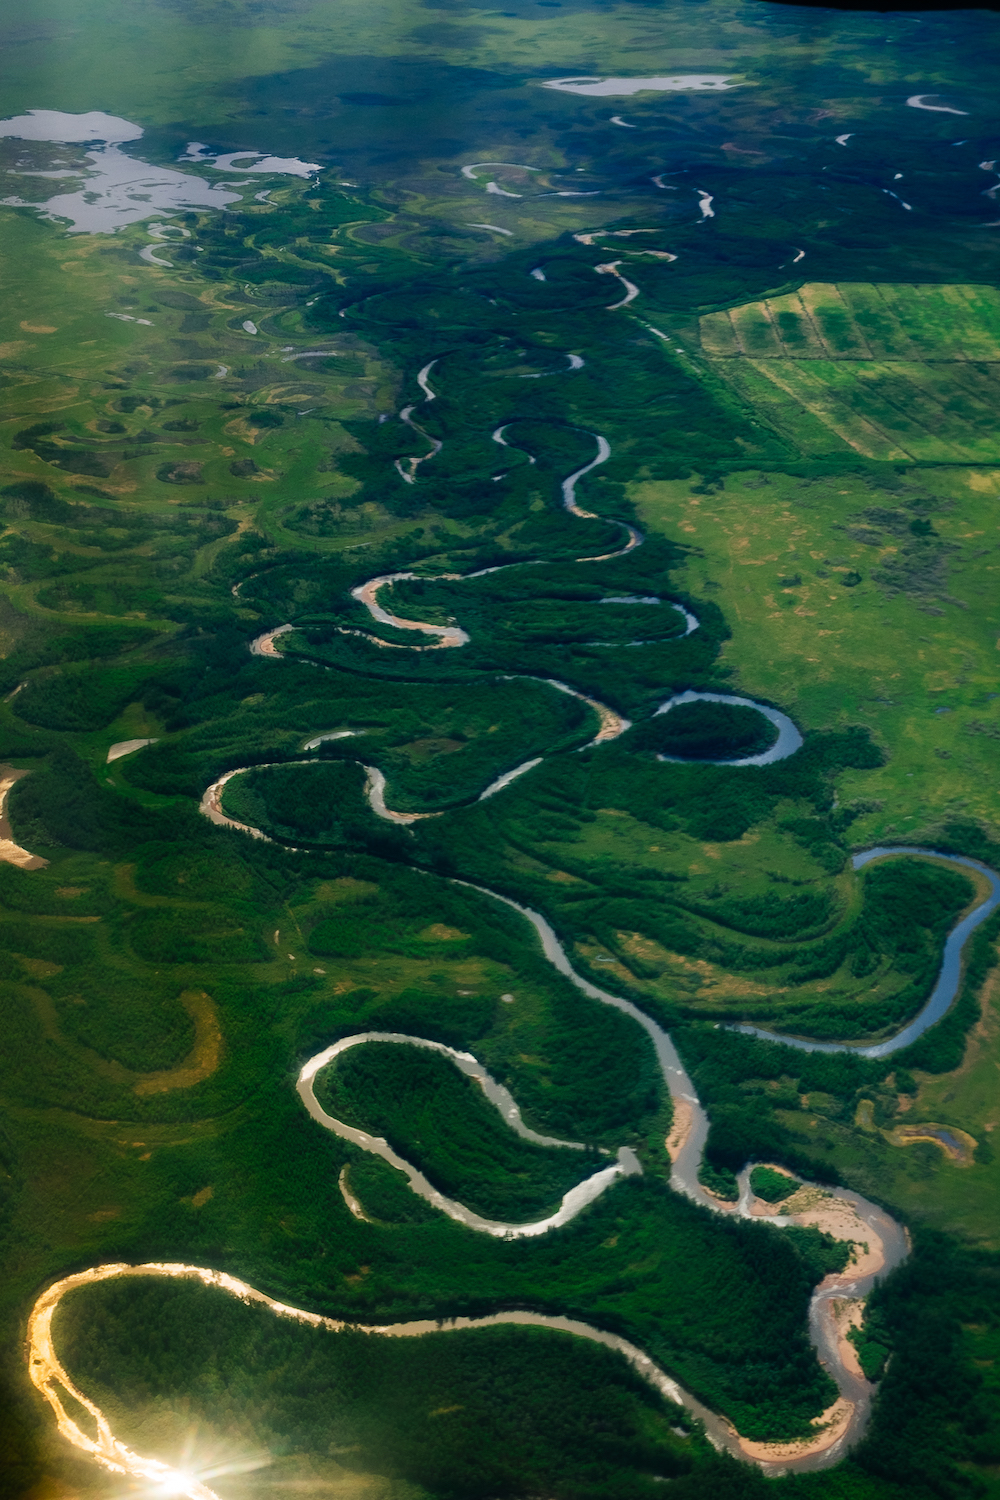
(680, 1129)
(11, 853)
(349, 1198)
(211, 802)
(848, 1313)
(830, 1428)
(725, 1205)
(811, 1205)
(264, 644)
(762, 1208)
(837, 1217)
(612, 724)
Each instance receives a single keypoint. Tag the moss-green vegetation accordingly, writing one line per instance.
(802, 1109)
(720, 1181)
(384, 1193)
(640, 879)
(167, 1148)
(770, 1185)
(420, 1415)
(908, 652)
(433, 754)
(873, 1341)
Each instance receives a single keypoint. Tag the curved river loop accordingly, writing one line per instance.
(839, 1427)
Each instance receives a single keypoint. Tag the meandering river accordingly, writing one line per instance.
(844, 1423)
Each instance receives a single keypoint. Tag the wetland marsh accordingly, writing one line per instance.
(536, 471)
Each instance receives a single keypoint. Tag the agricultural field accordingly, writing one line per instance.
(894, 373)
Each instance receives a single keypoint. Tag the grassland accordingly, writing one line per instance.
(722, 964)
(858, 321)
(907, 650)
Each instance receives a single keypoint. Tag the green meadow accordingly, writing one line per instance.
(907, 650)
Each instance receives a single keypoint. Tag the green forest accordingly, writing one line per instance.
(439, 1120)
(707, 731)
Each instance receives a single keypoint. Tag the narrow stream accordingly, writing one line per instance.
(52, 1380)
(684, 1179)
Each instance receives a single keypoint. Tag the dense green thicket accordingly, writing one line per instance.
(437, 743)
(19, 1456)
(62, 803)
(906, 912)
(772, 1186)
(594, 1074)
(873, 1342)
(385, 1193)
(439, 1120)
(585, 1072)
(429, 765)
(723, 1305)
(930, 1386)
(145, 1028)
(299, 1389)
(640, 1262)
(73, 700)
(40, 648)
(719, 1180)
(319, 804)
(529, 620)
(707, 731)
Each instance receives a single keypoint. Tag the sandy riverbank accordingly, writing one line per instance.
(834, 1216)
(847, 1313)
(349, 1198)
(681, 1128)
(11, 853)
(832, 1425)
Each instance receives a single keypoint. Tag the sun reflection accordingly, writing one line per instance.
(199, 1465)
(174, 1484)
(50, 1378)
